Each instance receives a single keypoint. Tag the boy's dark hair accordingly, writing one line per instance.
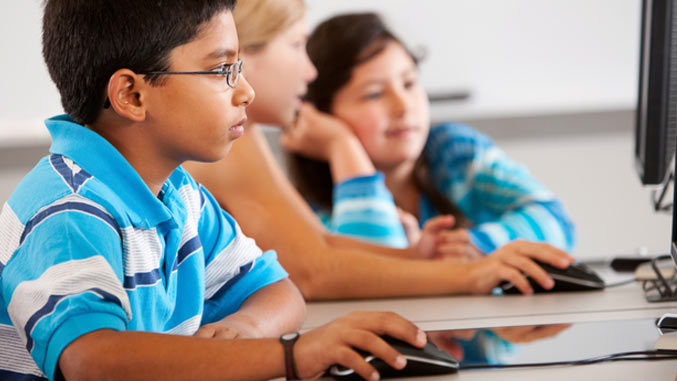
(336, 47)
(85, 41)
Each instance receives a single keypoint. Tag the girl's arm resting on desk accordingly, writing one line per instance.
(109, 354)
(268, 312)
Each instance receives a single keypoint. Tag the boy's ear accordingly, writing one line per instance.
(126, 95)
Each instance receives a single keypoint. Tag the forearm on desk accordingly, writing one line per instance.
(113, 355)
(275, 309)
(337, 241)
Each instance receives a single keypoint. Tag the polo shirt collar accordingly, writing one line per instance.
(102, 160)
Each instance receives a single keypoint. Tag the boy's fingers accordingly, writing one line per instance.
(351, 359)
(375, 345)
(226, 334)
(394, 325)
(206, 332)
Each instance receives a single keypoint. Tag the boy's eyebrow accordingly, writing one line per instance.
(228, 53)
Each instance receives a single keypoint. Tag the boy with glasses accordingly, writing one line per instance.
(108, 242)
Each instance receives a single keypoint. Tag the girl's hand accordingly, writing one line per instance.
(455, 244)
(314, 133)
(436, 241)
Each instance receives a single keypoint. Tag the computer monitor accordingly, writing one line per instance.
(656, 124)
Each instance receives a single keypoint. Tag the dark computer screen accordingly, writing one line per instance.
(656, 124)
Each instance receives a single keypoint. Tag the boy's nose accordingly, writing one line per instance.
(244, 93)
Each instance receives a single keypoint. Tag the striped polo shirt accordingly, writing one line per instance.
(496, 193)
(85, 245)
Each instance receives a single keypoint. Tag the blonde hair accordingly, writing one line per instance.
(259, 21)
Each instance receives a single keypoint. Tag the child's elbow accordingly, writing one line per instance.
(78, 362)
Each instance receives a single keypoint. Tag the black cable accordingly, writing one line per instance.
(655, 355)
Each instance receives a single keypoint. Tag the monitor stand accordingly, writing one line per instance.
(659, 286)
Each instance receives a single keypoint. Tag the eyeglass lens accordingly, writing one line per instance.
(234, 74)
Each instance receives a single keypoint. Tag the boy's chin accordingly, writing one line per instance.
(210, 157)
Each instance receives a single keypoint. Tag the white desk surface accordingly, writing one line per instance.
(631, 371)
(458, 312)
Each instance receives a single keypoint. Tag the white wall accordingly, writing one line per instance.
(517, 57)
(594, 175)
(27, 94)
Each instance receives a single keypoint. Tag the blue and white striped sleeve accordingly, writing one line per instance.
(235, 266)
(497, 193)
(364, 208)
(63, 277)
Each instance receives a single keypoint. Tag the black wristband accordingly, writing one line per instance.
(288, 340)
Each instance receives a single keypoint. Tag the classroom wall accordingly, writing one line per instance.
(553, 81)
(516, 57)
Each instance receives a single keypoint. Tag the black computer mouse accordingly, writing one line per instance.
(426, 361)
(576, 277)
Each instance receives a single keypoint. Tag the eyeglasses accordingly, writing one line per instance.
(230, 71)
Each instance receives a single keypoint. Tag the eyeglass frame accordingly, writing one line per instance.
(225, 69)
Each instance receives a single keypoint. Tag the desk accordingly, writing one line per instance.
(464, 312)
(644, 370)
(459, 312)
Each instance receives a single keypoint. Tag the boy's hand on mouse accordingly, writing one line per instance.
(314, 132)
(235, 326)
(337, 342)
(511, 262)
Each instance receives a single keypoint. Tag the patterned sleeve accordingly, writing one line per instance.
(235, 266)
(61, 277)
(498, 194)
(364, 208)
